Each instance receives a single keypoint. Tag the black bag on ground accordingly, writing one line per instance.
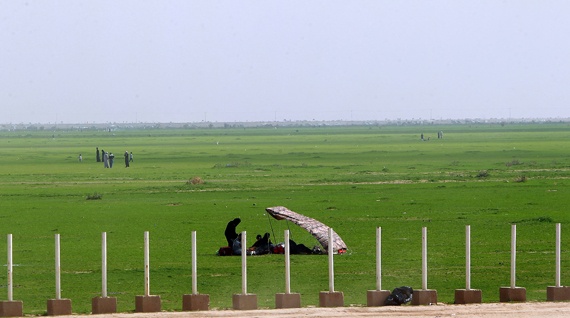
(399, 296)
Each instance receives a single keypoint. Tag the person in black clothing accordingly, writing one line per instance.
(230, 232)
(98, 158)
(298, 248)
(263, 245)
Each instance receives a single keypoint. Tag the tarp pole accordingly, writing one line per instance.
(271, 226)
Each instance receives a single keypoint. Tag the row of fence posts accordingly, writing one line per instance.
(246, 301)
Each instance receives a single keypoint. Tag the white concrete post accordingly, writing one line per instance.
(331, 257)
(513, 254)
(146, 264)
(424, 258)
(104, 264)
(57, 269)
(558, 241)
(378, 258)
(468, 257)
(9, 265)
(287, 264)
(243, 263)
(194, 265)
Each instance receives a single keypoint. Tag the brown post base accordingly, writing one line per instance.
(554, 293)
(291, 300)
(331, 299)
(376, 298)
(13, 308)
(58, 307)
(508, 294)
(468, 296)
(150, 303)
(193, 302)
(103, 305)
(424, 297)
(244, 301)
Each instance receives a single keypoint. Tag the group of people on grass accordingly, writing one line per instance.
(262, 245)
(108, 158)
(439, 136)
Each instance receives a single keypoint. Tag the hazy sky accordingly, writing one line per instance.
(237, 60)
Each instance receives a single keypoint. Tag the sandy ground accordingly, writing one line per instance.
(494, 310)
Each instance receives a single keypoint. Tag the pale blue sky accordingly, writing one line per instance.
(188, 61)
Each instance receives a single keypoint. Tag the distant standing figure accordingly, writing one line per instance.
(422, 136)
(126, 159)
(80, 158)
(131, 160)
(98, 157)
(102, 153)
(111, 160)
(105, 160)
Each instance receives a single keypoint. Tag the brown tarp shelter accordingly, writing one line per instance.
(319, 230)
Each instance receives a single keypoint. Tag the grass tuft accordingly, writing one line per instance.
(482, 174)
(94, 196)
(194, 181)
(540, 219)
(522, 178)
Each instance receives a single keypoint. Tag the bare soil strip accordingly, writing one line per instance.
(493, 310)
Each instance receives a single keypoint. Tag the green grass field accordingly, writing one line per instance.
(353, 179)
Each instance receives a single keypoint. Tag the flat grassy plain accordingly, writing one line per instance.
(354, 179)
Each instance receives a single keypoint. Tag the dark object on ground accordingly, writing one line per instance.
(278, 248)
(225, 251)
(299, 248)
(399, 296)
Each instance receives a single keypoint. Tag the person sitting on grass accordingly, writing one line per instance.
(263, 245)
(299, 248)
(236, 245)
